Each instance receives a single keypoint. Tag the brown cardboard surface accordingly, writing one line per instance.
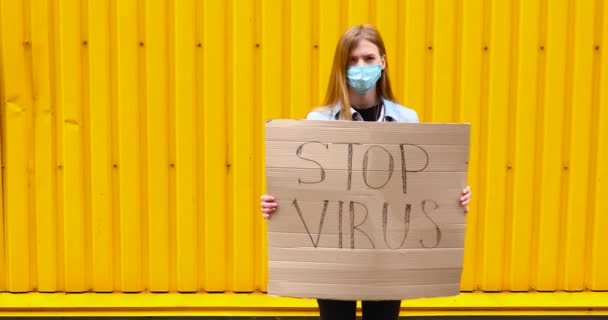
(367, 211)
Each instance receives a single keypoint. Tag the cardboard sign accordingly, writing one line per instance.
(367, 210)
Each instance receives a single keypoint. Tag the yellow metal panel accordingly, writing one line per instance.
(492, 251)
(2, 174)
(579, 117)
(445, 40)
(17, 114)
(272, 93)
(358, 11)
(71, 118)
(132, 135)
(243, 102)
(599, 259)
(390, 23)
(215, 163)
(45, 204)
(470, 112)
(301, 50)
(524, 151)
(156, 145)
(415, 56)
(100, 138)
(549, 227)
(185, 168)
(128, 44)
(330, 29)
(260, 259)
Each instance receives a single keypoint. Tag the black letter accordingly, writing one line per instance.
(350, 163)
(299, 152)
(438, 231)
(295, 203)
(391, 165)
(406, 216)
(404, 170)
(353, 226)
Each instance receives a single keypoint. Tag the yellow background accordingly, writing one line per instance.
(132, 139)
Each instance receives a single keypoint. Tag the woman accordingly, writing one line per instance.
(359, 89)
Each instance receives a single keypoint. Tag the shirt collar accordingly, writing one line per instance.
(385, 115)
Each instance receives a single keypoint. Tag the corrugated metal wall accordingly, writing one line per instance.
(132, 133)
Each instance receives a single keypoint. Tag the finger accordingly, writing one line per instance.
(466, 209)
(267, 198)
(465, 202)
(265, 216)
(269, 210)
(268, 204)
(465, 197)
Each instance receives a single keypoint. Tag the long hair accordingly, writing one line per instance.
(337, 88)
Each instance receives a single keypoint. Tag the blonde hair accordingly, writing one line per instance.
(337, 88)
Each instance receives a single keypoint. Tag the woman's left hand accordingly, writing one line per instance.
(466, 198)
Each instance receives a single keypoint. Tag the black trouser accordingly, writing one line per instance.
(346, 310)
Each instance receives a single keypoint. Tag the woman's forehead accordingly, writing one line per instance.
(364, 47)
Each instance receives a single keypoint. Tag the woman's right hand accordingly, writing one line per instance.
(268, 206)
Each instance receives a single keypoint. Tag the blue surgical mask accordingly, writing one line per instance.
(363, 78)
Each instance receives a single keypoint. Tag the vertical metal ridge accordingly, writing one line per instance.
(71, 121)
(593, 150)
(524, 156)
(143, 151)
(552, 147)
(428, 61)
(301, 59)
(3, 211)
(471, 61)
(483, 142)
(372, 12)
(157, 146)
(258, 148)
(58, 94)
(86, 137)
(199, 92)
(242, 138)
(456, 90)
(498, 52)
(30, 147)
(538, 154)
(18, 115)
(565, 139)
(511, 169)
(592, 198)
(229, 101)
(398, 73)
(171, 140)
(314, 65)
(129, 108)
(286, 60)
(185, 168)
(52, 77)
(115, 179)
(599, 261)
(99, 119)
(442, 47)
(272, 96)
(581, 85)
(215, 142)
